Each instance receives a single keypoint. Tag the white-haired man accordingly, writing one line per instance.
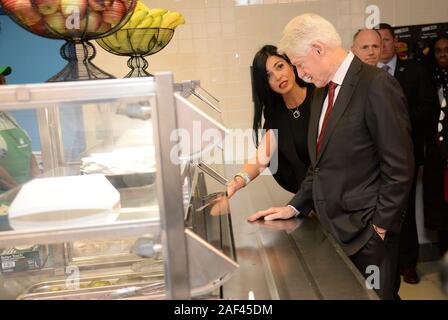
(367, 45)
(360, 148)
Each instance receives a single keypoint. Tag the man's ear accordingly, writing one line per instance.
(318, 48)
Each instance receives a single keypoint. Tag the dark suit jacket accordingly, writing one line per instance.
(364, 170)
(422, 101)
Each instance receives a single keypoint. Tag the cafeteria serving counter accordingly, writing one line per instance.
(289, 259)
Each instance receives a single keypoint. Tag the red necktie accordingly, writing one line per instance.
(331, 89)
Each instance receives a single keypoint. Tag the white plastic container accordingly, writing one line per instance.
(63, 202)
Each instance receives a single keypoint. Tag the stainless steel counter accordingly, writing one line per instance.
(293, 259)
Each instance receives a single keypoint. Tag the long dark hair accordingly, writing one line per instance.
(264, 98)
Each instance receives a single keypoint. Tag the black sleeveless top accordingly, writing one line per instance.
(292, 148)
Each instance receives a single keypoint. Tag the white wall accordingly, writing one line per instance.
(218, 42)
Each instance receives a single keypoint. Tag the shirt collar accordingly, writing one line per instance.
(392, 64)
(340, 74)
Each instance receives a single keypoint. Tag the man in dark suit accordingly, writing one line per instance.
(422, 103)
(360, 148)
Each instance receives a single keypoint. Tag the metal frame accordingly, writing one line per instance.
(169, 183)
(36, 95)
(14, 238)
(50, 137)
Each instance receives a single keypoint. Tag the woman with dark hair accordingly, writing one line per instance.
(284, 101)
(435, 178)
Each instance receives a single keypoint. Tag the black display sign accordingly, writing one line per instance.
(414, 41)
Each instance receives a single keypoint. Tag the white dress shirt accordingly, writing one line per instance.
(338, 78)
(392, 65)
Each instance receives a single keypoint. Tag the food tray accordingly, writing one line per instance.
(96, 287)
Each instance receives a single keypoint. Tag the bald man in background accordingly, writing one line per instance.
(367, 46)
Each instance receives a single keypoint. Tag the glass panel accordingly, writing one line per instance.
(87, 269)
(97, 167)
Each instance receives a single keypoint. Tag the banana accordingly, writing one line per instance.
(157, 12)
(111, 41)
(180, 20)
(136, 39)
(136, 35)
(123, 40)
(146, 39)
(152, 42)
(128, 38)
(146, 23)
(136, 18)
(141, 6)
(169, 18)
(156, 22)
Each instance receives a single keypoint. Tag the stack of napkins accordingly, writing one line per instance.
(65, 202)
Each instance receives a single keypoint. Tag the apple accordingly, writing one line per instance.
(68, 7)
(9, 5)
(56, 22)
(128, 3)
(30, 16)
(89, 24)
(94, 20)
(97, 5)
(47, 6)
(104, 27)
(23, 10)
(108, 3)
(40, 28)
(115, 13)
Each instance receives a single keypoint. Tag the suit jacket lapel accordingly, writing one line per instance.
(341, 103)
(399, 70)
(316, 109)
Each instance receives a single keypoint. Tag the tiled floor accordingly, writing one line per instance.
(428, 288)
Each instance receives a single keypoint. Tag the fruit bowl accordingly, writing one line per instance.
(137, 43)
(76, 22)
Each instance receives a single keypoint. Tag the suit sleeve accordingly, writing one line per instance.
(388, 122)
(303, 199)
